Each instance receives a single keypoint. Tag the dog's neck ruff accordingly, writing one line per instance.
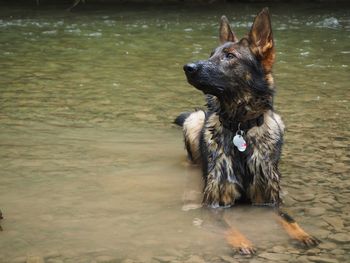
(234, 119)
(234, 125)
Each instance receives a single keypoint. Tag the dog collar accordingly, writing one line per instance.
(245, 126)
(240, 128)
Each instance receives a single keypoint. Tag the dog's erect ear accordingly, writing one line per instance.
(261, 39)
(226, 34)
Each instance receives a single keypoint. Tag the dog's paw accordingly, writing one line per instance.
(239, 242)
(246, 250)
(309, 241)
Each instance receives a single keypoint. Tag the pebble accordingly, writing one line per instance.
(322, 233)
(255, 260)
(228, 259)
(275, 256)
(335, 222)
(189, 207)
(19, 260)
(52, 254)
(340, 237)
(316, 211)
(338, 205)
(293, 251)
(339, 168)
(302, 259)
(313, 251)
(327, 245)
(165, 259)
(278, 249)
(338, 251)
(328, 200)
(195, 259)
(54, 260)
(197, 222)
(104, 259)
(322, 259)
(289, 201)
(173, 252)
(297, 181)
(34, 259)
(304, 197)
(321, 223)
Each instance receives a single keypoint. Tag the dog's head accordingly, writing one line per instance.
(238, 68)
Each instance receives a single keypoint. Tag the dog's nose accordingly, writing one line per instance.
(190, 68)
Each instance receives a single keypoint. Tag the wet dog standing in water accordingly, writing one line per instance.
(238, 139)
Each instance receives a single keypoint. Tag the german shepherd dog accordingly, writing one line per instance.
(238, 139)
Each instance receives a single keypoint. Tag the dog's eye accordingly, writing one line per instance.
(230, 55)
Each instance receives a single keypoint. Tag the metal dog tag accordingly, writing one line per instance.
(239, 142)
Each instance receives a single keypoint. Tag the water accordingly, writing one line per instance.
(92, 170)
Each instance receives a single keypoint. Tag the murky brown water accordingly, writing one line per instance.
(91, 168)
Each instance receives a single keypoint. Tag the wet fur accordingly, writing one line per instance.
(238, 84)
(230, 175)
(237, 90)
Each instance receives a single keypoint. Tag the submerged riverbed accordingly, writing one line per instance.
(92, 168)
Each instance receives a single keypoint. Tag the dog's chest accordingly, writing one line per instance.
(240, 162)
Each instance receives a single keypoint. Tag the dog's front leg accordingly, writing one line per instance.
(295, 231)
(239, 242)
(221, 192)
(218, 189)
(218, 193)
(265, 190)
(236, 239)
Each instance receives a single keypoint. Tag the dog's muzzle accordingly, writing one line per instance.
(203, 76)
(191, 68)
(193, 72)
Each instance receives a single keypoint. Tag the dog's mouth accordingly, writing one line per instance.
(205, 88)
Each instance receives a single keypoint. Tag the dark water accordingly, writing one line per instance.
(91, 168)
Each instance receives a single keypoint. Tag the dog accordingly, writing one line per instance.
(238, 139)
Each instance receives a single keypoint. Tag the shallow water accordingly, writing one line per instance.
(92, 170)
